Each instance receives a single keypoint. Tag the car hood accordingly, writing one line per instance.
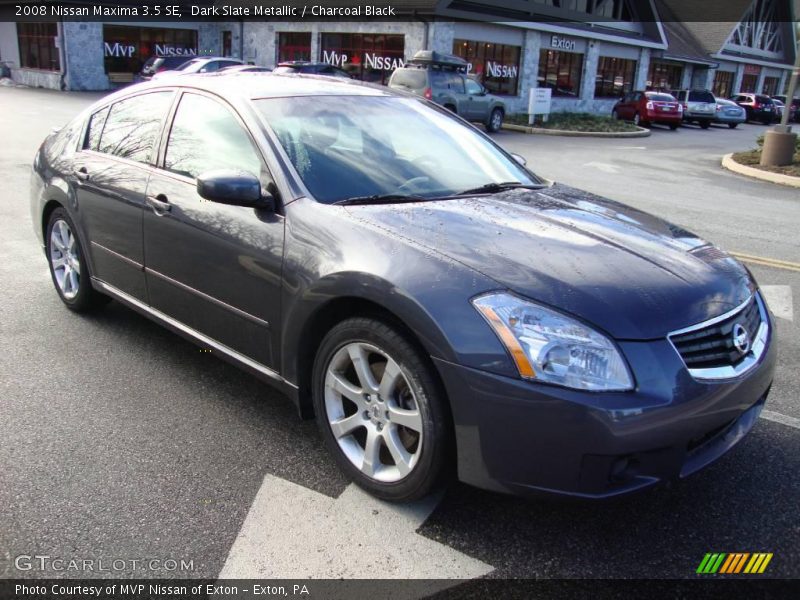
(625, 271)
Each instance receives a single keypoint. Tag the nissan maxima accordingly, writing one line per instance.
(435, 305)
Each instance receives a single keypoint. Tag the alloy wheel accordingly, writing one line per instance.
(372, 412)
(497, 120)
(65, 259)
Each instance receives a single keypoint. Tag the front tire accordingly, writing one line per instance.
(67, 262)
(380, 410)
(495, 122)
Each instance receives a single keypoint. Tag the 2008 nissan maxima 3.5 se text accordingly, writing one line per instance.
(432, 302)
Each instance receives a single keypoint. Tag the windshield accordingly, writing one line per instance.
(362, 146)
(661, 97)
(186, 65)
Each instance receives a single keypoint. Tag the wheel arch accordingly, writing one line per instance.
(304, 333)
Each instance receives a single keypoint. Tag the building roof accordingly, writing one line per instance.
(697, 30)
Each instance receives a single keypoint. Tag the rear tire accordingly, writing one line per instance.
(615, 115)
(673, 126)
(68, 268)
(704, 124)
(732, 125)
(495, 122)
(387, 425)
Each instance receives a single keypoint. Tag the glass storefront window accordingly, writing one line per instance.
(494, 65)
(615, 77)
(770, 86)
(664, 76)
(561, 72)
(37, 46)
(294, 45)
(127, 48)
(749, 82)
(723, 84)
(366, 56)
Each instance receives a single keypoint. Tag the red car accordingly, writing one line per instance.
(645, 108)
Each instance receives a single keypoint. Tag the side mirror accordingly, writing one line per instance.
(237, 188)
(519, 158)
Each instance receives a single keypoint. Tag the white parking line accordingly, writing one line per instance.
(601, 166)
(779, 300)
(294, 532)
(779, 418)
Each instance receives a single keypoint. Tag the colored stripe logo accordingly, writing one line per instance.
(734, 563)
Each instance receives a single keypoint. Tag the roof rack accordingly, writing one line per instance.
(431, 58)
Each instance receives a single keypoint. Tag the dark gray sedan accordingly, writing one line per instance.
(435, 305)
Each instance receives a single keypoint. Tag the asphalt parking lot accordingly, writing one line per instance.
(120, 441)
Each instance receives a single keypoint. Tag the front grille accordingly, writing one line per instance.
(712, 346)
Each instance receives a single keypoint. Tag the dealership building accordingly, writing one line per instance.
(588, 52)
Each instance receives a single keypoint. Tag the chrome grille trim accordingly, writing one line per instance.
(750, 360)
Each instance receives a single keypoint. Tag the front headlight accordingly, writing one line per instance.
(548, 346)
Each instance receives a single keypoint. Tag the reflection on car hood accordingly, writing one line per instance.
(630, 273)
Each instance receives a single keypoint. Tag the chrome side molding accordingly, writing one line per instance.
(190, 332)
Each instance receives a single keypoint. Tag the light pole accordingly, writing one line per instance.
(779, 142)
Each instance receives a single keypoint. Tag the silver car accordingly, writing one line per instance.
(729, 113)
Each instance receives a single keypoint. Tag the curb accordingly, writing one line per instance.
(732, 165)
(598, 134)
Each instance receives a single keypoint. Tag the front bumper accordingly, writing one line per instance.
(521, 437)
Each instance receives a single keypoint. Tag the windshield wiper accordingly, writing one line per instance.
(382, 199)
(494, 188)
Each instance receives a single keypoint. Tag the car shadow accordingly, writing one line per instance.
(746, 502)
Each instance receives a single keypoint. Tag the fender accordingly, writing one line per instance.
(353, 287)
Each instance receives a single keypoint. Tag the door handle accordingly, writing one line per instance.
(82, 174)
(159, 203)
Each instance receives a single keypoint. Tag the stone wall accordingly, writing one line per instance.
(83, 48)
(260, 39)
(36, 78)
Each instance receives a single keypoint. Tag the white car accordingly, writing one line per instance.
(209, 64)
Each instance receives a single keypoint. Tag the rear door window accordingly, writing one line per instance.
(133, 126)
(95, 129)
(473, 87)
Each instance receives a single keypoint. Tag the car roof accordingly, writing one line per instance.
(251, 86)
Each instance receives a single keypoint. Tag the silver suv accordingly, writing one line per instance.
(443, 78)
(699, 106)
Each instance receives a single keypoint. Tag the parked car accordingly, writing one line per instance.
(699, 106)
(729, 113)
(779, 107)
(758, 107)
(209, 64)
(245, 69)
(794, 115)
(311, 68)
(443, 78)
(645, 108)
(409, 283)
(157, 64)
